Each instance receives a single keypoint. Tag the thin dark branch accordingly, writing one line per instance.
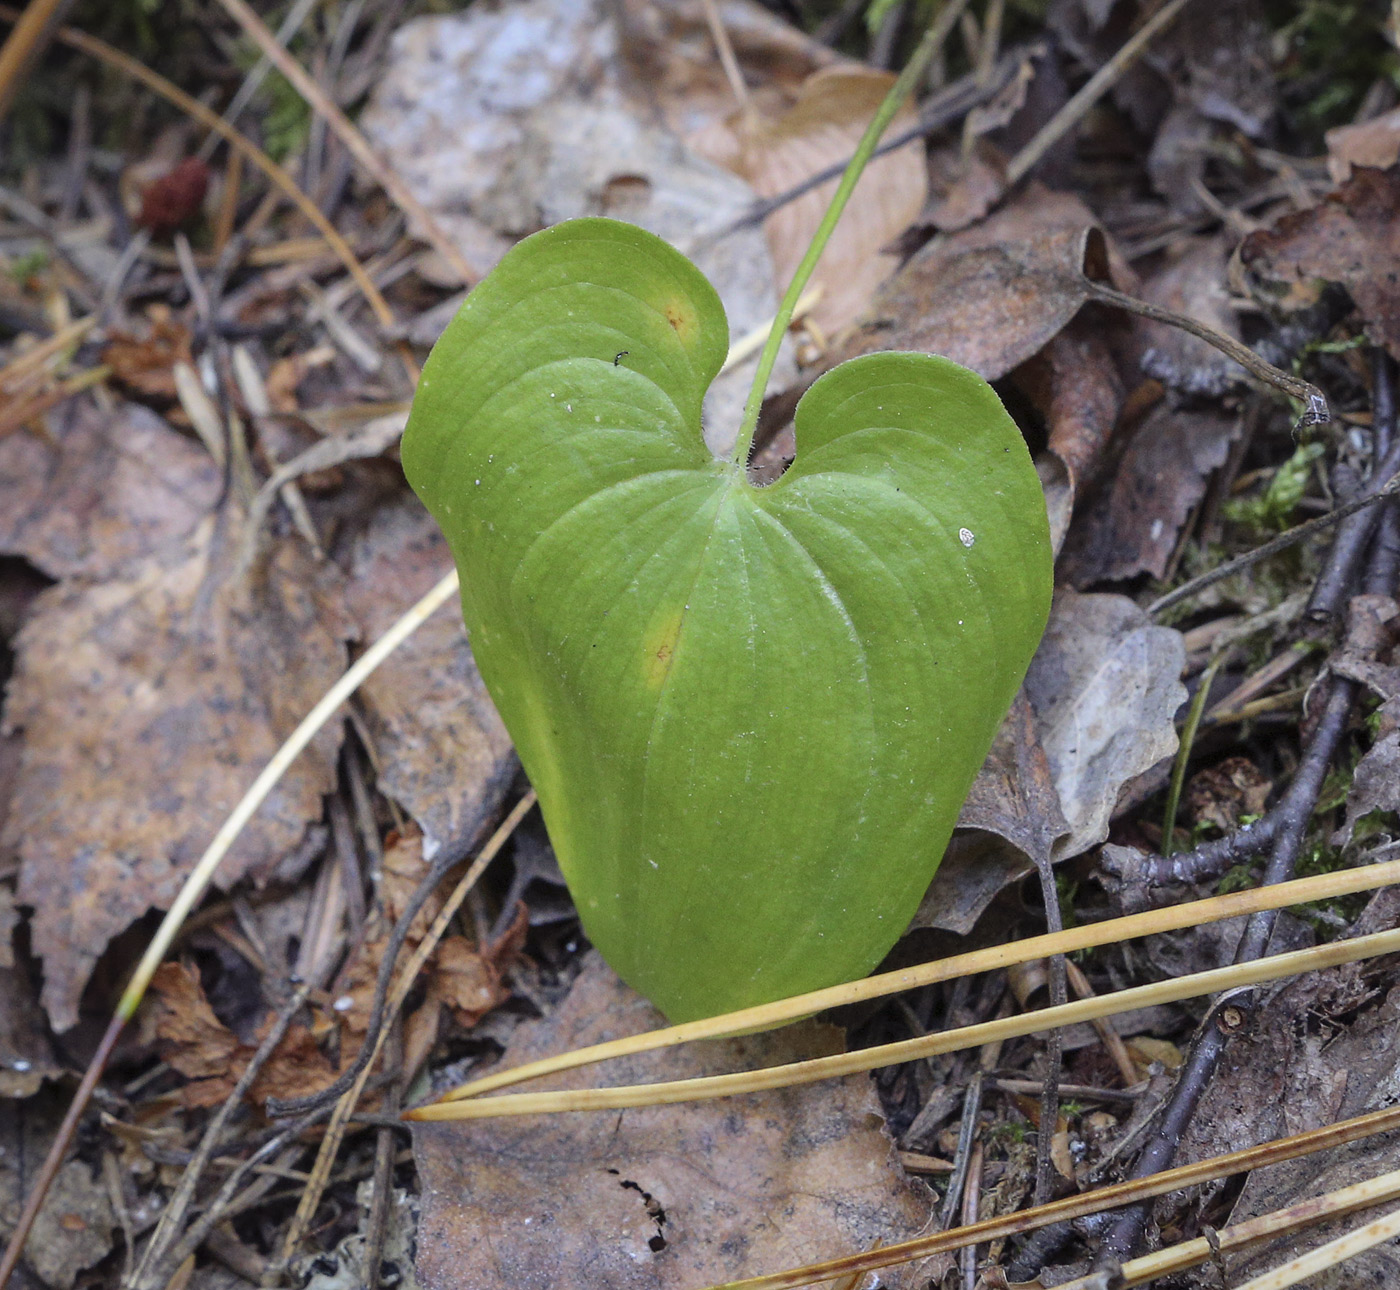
(1054, 1043)
(1292, 814)
(1338, 577)
(1298, 533)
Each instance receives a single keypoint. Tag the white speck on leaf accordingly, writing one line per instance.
(966, 537)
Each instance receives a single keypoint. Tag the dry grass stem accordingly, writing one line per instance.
(1214, 909)
(1078, 1206)
(1306, 1213)
(358, 146)
(809, 1072)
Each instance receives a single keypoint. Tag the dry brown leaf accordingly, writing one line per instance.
(1132, 525)
(197, 1044)
(1074, 383)
(148, 705)
(1352, 237)
(1194, 284)
(990, 296)
(1369, 143)
(105, 489)
(146, 364)
(823, 126)
(443, 751)
(655, 1198)
(1104, 686)
(1012, 819)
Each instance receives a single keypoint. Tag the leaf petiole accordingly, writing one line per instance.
(893, 101)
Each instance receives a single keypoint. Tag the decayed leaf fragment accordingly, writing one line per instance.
(148, 705)
(198, 1045)
(660, 1198)
(1352, 237)
(1105, 688)
(103, 489)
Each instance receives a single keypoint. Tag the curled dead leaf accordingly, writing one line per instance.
(197, 1044)
(991, 296)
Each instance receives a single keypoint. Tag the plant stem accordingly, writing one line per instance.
(1183, 753)
(893, 101)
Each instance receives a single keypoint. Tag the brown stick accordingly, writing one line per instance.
(54, 1160)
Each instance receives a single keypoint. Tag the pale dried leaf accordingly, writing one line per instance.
(655, 1198)
(148, 704)
(821, 128)
(1368, 143)
(529, 115)
(1105, 688)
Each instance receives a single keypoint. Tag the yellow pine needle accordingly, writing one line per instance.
(1214, 909)
(1306, 1213)
(822, 1068)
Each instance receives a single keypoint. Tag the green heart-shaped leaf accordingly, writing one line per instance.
(751, 714)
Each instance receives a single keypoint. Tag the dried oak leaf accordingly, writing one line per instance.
(823, 126)
(443, 751)
(104, 489)
(990, 296)
(197, 1044)
(1351, 237)
(660, 1197)
(1105, 686)
(148, 704)
(146, 364)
